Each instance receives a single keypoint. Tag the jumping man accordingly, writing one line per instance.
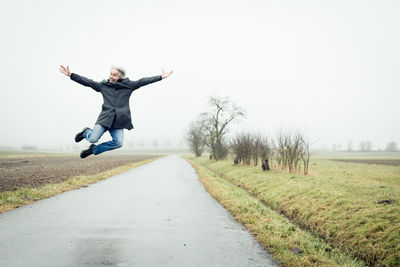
(115, 114)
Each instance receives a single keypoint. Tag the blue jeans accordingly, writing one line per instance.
(93, 135)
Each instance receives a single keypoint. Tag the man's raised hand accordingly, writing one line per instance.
(65, 70)
(165, 74)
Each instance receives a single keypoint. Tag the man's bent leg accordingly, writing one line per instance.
(116, 142)
(93, 135)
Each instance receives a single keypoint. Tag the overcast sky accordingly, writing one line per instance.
(329, 67)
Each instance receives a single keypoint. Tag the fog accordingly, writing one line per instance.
(328, 67)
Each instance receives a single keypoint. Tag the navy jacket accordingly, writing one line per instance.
(116, 99)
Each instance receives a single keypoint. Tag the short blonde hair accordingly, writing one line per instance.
(122, 72)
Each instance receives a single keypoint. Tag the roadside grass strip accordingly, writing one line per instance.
(353, 207)
(288, 243)
(13, 199)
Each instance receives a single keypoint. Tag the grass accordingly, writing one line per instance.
(337, 202)
(287, 242)
(357, 155)
(26, 195)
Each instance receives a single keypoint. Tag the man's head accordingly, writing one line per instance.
(116, 73)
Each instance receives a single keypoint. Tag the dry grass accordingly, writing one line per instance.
(340, 204)
(288, 243)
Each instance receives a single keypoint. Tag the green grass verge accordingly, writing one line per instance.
(288, 243)
(339, 202)
(23, 196)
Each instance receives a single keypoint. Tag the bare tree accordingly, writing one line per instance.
(350, 146)
(391, 147)
(293, 149)
(195, 138)
(216, 121)
(279, 146)
(305, 154)
(266, 149)
(365, 146)
(266, 152)
(256, 148)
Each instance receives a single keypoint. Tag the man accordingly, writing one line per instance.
(115, 114)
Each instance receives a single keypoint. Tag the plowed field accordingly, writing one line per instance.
(35, 171)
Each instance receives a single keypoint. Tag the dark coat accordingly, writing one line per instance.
(116, 99)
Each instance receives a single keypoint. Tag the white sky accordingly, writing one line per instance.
(330, 67)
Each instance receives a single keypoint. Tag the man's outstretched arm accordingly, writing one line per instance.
(80, 79)
(148, 80)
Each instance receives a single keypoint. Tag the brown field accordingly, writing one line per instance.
(33, 171)
(392, 162)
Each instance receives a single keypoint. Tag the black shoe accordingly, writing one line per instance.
(79, 136)
(87, 152)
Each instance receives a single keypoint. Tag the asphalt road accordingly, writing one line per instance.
(157, 214)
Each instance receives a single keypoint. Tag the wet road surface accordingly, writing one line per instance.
(157, 214)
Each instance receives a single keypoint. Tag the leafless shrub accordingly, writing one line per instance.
(250, 148)
(292, 150)
(241, 147)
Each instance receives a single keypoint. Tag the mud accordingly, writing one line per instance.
(35, 171)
